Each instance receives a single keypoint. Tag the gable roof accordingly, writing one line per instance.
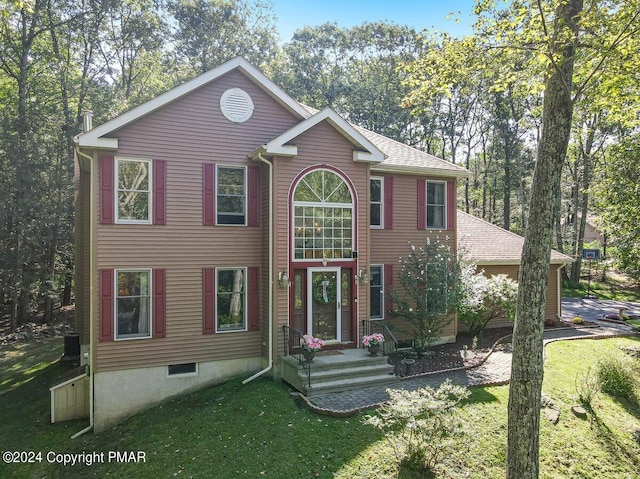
(367, 151)
(401, 158)
(487, 243)
(95, 138)
(387, 155)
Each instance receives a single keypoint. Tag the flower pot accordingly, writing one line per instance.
(373, 349)
(308, 355)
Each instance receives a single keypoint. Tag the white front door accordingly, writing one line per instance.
(323, 303)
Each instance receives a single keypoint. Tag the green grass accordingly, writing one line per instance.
(615, 289)
(257, 430)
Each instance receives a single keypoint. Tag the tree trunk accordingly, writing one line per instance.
(527, 365)
(585, 155)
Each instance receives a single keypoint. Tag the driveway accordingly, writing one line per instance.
(595, 308)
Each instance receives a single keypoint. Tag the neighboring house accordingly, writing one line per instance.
(215, 214)
(498, 251)
(591, 231)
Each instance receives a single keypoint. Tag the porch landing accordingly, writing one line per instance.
(337, 371)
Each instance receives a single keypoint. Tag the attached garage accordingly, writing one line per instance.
(498, 251)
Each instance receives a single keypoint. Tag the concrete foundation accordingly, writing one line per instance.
(121, 394)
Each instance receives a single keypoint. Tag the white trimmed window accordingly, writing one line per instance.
(323, 217)
(436, 205)
(376, 292)
(231, 195)
(133, 304)
(133, 195)
(231, 299)
(376, 215)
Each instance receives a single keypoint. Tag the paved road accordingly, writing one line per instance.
(595, 308)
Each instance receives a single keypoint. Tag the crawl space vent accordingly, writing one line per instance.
(236, 105)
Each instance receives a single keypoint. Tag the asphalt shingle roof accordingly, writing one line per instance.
(487, 243)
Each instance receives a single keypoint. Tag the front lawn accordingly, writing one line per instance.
(257, 430)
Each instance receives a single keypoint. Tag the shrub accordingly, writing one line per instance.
(587, 386)
(429, 290)
(420, 425)
(577, 320)
(616, 377)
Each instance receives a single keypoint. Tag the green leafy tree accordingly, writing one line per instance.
(617, 200)
(356, 71)
(210, 32)
(430, 291)
(563, 34)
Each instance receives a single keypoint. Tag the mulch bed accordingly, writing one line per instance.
(462, 353)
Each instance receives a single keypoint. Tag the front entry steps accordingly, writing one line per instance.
(344, 370)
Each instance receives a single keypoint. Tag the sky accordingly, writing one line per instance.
(419, 14)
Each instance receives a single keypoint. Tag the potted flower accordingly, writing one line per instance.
(310, 346)
(372, 343)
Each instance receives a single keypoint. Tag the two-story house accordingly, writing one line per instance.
(215, 214)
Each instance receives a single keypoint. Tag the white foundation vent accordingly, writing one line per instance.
(236, 105)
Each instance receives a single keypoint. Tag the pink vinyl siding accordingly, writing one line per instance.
(187, 134)
(387, 246)
(551, 309)
(321, 145)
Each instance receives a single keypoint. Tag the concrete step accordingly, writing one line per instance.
(347, 373)
(352, 370)
(339, 385)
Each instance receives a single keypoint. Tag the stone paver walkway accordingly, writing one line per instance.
(495, 370)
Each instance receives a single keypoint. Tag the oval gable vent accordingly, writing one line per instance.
(236, 105)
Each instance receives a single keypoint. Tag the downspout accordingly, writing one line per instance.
(271, 269)
(91, 302)
(559, 289)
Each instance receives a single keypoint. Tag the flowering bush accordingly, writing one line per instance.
(312, 344)
(484, 299)
(372, 340)
(421, 425)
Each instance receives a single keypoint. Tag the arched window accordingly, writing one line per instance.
(323, 217)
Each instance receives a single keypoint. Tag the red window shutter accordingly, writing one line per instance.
(106, 304)
(208, 194)
(159, 303)
(208, 300)
(253, 185)
(451, 205)
(107, 189)
(254, 298)
(388, 282)
(422, 204)
(388, 202)
(159, 192)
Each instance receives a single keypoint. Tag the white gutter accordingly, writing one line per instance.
(91, 302)
(271, 269)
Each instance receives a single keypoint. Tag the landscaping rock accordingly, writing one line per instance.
(547, 402)
(552, 415)
(579, 411)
